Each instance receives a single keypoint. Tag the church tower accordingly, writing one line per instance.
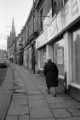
(11, 42)
(13, 33)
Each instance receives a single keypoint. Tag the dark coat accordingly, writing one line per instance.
(51, 74)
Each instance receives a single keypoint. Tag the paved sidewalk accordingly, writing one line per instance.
(31, 101)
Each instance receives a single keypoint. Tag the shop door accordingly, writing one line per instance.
(59, 57)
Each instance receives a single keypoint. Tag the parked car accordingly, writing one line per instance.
(4, 62)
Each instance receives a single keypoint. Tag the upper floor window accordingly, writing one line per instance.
(41, 19)
(57, 5)
(65, 1)
(54, 5)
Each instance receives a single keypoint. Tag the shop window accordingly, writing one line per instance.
(76, 57)
(42, 57)
(60, 59)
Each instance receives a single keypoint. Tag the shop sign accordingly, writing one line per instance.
(47, 20)
(66, 15)
(52, 30)
(74, 9)
(41, 40)
(70, 12)
(59, 22)
(79, 5)
(46, 36)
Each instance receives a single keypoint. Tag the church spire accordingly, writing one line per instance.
(13, 27)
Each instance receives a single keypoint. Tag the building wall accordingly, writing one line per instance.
(55, 40)
(64, 53)
(19, 48)
(30, 25)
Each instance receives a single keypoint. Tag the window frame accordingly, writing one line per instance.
(41, 19)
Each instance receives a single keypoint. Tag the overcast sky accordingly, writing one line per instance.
(19, 9)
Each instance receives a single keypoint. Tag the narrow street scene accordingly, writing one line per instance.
(40, 60)
(31, 101)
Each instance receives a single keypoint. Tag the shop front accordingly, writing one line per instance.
(76, 57)
(75, 61)
(63, 50)
(71, 60)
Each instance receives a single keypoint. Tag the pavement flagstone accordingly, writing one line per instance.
(31, 101)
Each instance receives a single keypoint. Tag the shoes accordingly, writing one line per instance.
(48, 91)
(55, 95)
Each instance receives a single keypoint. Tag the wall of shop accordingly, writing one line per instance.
(76, 57)
(62, 52)
(59, 56)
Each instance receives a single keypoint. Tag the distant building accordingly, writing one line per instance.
(11, 42)
(19, 49)
(3, 53)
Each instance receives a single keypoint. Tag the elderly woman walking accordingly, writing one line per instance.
(51, 76)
